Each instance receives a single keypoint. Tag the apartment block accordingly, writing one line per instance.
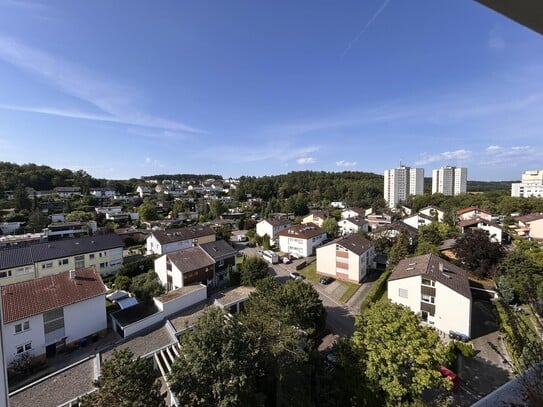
(531, 185)
(402, 182)
(449, 180)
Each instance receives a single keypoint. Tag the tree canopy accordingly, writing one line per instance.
(477, 253)
(252, 269)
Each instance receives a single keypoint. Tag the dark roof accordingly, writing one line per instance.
(189, 259)
(22, 300)
(428, 266)
(355, 243)
(359, 221)
(399, 226)
(530, 217)
(20, 256)
(278, 222)
(219, 249)
(134, 313)
(302, 231)
(177, 235)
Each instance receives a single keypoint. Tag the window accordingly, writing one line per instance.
(115, 262)
(47, 265)
(24, 326)
(62, 262)
(53, 320)
(24, 270)
(79, 262)
(24, 348)
(428, 282)
(5, 274)
(103, 265)
(428, 298)
(91, 256)
(402, 292)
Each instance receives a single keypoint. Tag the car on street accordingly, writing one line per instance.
(251, 244)
(295, 275)
(453, 377)
(326, 280)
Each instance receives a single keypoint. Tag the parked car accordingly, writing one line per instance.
(285, 260)
(326, 280)
(295, 275)
(251, 244)
(458, 336)
(451, 375)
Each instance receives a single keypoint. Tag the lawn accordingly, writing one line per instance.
(310, 272)
(351, 289)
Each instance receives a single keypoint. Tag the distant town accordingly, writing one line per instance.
(446, 285)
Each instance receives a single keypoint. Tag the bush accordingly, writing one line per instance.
(377, 290)
(137, 267)
(465, 349)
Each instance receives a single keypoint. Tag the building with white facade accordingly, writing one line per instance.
(167, 241)
(449, 180)
(402, 182)
(272, 227)
(301, 240)
(47, 313)
(435, 289)
(348, 258)
(531, 185)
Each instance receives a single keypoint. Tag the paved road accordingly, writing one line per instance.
(338, 318)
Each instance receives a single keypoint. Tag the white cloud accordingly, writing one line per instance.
(493, 148)
(306, 160)
(445, 156)
(343, 163)
(150, 162)
(113, 102)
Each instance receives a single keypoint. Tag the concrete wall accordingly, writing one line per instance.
(326, 260)
(536, 229)
(34, 335)
(453, 311)
(412, 285)
(85, 318)
(183, 301)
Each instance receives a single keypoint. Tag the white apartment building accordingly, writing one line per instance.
(449, 180)
(531, 185)
(401, 182)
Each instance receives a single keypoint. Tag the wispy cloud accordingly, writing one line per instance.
(457, 155)
(343, 163)
(510, 156)
(306, 160)
(151, 162)
(365, 28)
(113, 102)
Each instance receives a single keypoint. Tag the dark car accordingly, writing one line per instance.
(326, 280)
(251, 244)
(296, 276)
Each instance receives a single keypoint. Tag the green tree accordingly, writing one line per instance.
(147, 211)
(20, 198)
(233, 277)
(146, 286)
(330, 226)
(475, 250)
(253, 269)
(400, 249)
(125, 382)
(397, 355)
(218, 364)
(122, 282)
(302, 306)
(266, 242)
(522, 274)
(224, 232)
(79, 216)
(37, 221)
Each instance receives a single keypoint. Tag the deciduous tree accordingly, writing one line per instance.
(252, 269)
(475, 250)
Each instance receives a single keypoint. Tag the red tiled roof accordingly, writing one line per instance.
(530, 217)
(469, 209)
(22, 300)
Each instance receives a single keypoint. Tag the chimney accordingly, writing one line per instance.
(72, 275)
(441, 267)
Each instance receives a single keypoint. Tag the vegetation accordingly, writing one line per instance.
(146, 286)
(134, 268)
(377, 290)
(252, 269)
(125, 382)
(477, 253)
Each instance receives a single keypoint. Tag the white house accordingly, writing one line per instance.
(435, 289)
(44, 314)
(167, 241)
(353, 213)
(494, 231)
(143, 190)
(272, 227)
(301, 240)
(348, 258)
(338, 204)
(352, 225)
(433, 211)
(417, 220)
(102, 192)
(317, 217)
(473, 212)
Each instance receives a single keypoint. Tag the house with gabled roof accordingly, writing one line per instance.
(530, 226)
(494, 231)
(353, 213)
(417, 220)
(349, 226)
(435, 289)
(47, 313)
(169, 240)
(316, 216)
(473, 212)
(272, 227)
(433, 211)
(301, 240)
(348, 258)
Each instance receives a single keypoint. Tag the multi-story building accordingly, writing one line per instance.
(449, 180)
(104, 252)
(301, 240)
(402, 182)
(167, 241)
(435, 289)
(272, 227)
(531, 185)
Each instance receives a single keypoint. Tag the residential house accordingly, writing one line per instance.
(61, 230)
(224, 256)
(104, 252)
(473, 212)
(417, 220)
(7, 228)
(530, 226)
(101, 193)
(316, 217)
(380, 218)
(494, 231)
(352, 225)
(46, 313)
(67, 192)
(301, 240)
(272, 227)
(347, 258)
(353, 213)
(394, 229)
(234, 299)
(143, 190)
(338, 204)
(435, 289)
(108, 209)
(167, 241)
(433, 211)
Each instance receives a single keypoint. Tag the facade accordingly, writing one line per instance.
(224, 256)
(347, 258)
(301, 240)
(531, 185)
(494, 231)
(433, 211)
(417, 220)
(104, 252)
(272, 227)
(473, 212)
(435, 289)
(449, 180)
(402, 182)
(379, 219)
(167, 241)
(44, 314)
(316, 217)
(353, 213)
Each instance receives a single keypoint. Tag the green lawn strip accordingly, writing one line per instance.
(310, 272)
(351, 289)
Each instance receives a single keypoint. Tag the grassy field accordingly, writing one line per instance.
(310, 273)
(351, 289)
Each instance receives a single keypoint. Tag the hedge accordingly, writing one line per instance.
(376, 291)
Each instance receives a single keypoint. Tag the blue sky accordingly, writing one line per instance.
(124, 89)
